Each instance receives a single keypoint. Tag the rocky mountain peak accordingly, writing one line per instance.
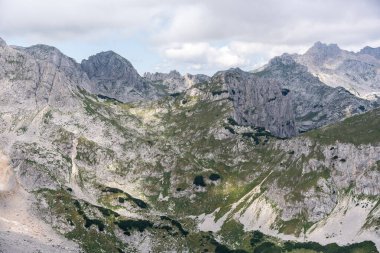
(319, 46)
(107, 65)
(41, 49)
(314, 103)
(174, 82)
(286, 60)
(175, 73)
(356, 72)
(320, 52)
(2, 43)
(51, 54)
(375, 52)
(229, 72)
(157, 76)
(287, 64)
(114, 76)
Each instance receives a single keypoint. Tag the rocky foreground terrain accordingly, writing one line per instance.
(96, 158)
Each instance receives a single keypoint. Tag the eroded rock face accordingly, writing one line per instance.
(375, 52)
(259, 102)
(348, 167)
(115, 77)
(35, 77)
(2, 43)
(314, 103)
(174, 82)
(286, 99)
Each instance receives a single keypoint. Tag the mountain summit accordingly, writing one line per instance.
(359, 73)
(375, 52)
(115, 77)
(320, 52)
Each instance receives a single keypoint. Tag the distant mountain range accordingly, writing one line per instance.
(96, 158)
(359, 72)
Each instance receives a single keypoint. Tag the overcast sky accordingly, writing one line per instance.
(195, 36)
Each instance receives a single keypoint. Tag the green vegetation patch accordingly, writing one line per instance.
(93, 234)
(359, 129)
(121, 196)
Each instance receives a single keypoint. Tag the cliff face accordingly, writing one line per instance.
(36, 77)
(314, 103)
(258, 102)
(286, 99)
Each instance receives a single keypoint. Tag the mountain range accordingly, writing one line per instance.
(96, 158)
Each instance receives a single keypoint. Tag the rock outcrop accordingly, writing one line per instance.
(375, 52)
(314, 103)
(286, 99)
(174, 82)
(258, 102)
(2, 43)
(115, 77)
(35, 77)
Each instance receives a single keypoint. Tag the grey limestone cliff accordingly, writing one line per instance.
(286, 99)
(174, 82)
(258, 102)
(35, 77)
(314, 103)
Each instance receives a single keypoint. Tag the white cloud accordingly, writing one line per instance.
(204, 55)
(247, 55)
(197, 34)
(240, 33)
(273, 21)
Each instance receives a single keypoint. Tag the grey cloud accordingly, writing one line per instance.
(197, 33)
(271, 21)
(169, 21)
(52, 19)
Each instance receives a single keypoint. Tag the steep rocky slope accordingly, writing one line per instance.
(258, 101)
(158, 175)
(358, 72)
(174, 82)
(313, 103)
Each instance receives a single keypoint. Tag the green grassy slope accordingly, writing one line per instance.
(359, 129)
(192, 139)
